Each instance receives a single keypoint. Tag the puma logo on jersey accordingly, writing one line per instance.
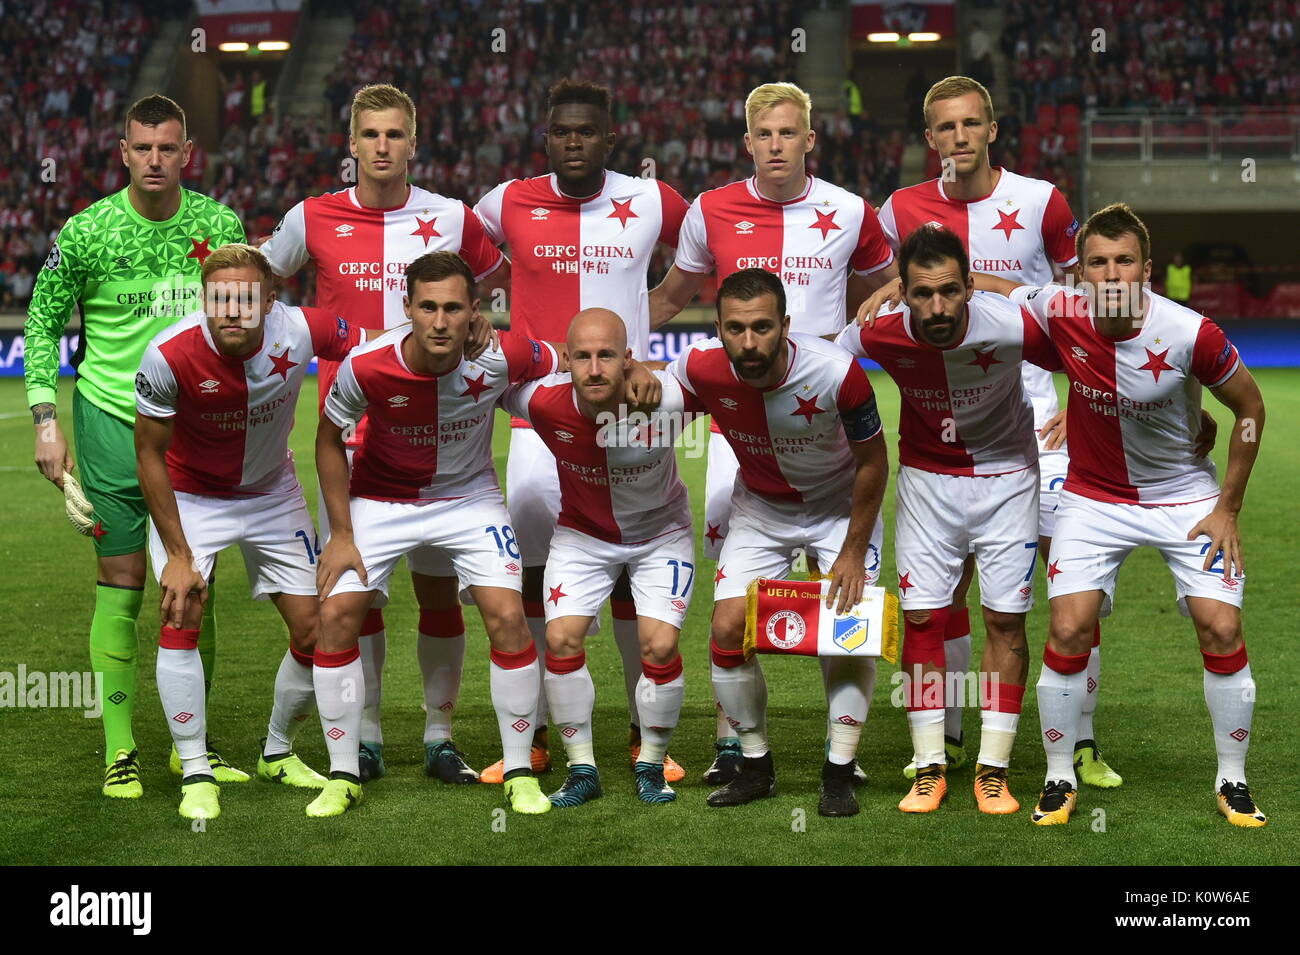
(398, 401)
(744, 227)
(344, 230)
(540, 214)
(209, 387)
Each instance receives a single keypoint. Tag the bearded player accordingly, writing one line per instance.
(801, 417)
(361, 240)
(215, 400)
(131, 263)
(580, 237)
(623, 510)
(823, 242)
(1136, 362)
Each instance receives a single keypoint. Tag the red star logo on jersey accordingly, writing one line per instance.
(807, 408)
(200, 250)
(1052, 571)
(719, 576)
(985, 359)
(98, 530)
(714, 533)
(425, 230)
(1007, 223)
(280, 365)
(825, 222)
(1156, 363)
(556, 594)
(904, 582)
(622, 212)
(474, 386)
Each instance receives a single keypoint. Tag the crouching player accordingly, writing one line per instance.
(215, 399)
(801, 417)
(423, 481)
(622, 506)
(967, 480)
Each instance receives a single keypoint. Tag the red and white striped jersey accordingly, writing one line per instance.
(1135, 403)
(789, 439)
(964, 408)
(232, 416)
(1016, 232)
(430, 437)
(810, 242)
(568, 254)
(361, 254)
(618, 480)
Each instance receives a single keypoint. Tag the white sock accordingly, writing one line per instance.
(571, 697)
(957, 660)
(373, 648)
(628, 641)
(295, 694)
(926, 727)
(660, 706)
(849, 683)
(340, 698)
(742, 691)
(1231, 701)
(537, 627)
(997, 737)
(1060, 701)
(441, 661)
(515, 700)
(1090, 700)
(180, 686)
(723, 728)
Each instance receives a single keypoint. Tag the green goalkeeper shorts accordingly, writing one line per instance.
(106, 463)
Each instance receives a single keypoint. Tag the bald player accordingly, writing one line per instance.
(623, 508)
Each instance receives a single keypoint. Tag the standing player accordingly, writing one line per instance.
(215, 399)
(1136, 362)
(967, 481)
(423, 480)
(1021, 229)
(623, 509)
(801, 417)
(361, 240)
(823, 242)
(131, 263)
(580, 237)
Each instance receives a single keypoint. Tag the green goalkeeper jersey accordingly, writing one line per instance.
(132, 278)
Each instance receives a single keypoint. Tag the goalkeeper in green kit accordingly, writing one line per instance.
(132, 262)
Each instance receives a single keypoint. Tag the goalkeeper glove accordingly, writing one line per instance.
(81, 513)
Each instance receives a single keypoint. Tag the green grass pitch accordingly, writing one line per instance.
(1151, 721)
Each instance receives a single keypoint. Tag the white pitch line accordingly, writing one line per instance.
(14, 414)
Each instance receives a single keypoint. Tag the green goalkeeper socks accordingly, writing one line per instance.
(113, 653)
(208, 637)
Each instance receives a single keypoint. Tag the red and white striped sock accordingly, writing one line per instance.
(1062, 685)
(340, 697)
(179, 673)
(572, 697)
(441, 650)
(295, 694)
(1230, 697)
(515, 679)
(659, 694)
(742, 692)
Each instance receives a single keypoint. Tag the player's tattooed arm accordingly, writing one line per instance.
(340, 553)
(1241, 394)
(848, 572)
(52, 456)
(179, 582)
(1208, 435)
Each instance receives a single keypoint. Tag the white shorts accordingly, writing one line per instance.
(1093, 538)
(719, 480)
(274, 532)
(1052, 466)
(532, 494)
(765, 533)
(940, 518)
(581, 571)
(473, 532)
(428, 560)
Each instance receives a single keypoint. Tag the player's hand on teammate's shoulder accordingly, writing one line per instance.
(481, 336)
(888, 296)
(180, 583)
(847, 577)
(1220, 526)
(339, 556)
(52, 455)
(1208, 433)
(1053, 432)
(644, 390)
